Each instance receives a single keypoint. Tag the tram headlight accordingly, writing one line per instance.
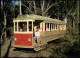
(29, 39)
(15, 39)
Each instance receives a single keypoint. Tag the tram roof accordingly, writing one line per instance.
(37, 17)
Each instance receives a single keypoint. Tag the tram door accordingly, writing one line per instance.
(24, 33)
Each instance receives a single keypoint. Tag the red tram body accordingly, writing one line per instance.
(23, 39)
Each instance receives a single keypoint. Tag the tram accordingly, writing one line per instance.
(26, 25)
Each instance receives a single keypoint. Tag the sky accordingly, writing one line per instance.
(65, 20)
(14, 2)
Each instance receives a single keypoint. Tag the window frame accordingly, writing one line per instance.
(27, 26)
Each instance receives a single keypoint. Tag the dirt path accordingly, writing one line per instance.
(25, 52)
(7, 50)
(20, 53)
(28, 53)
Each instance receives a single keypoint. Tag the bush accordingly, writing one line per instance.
(72, 50)
(68, 49)
(9, 31)
(73, 32)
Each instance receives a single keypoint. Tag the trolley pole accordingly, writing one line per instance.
(20, 8)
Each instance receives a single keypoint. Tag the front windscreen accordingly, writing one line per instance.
(22, 26)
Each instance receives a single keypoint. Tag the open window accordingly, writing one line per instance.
(16, 26)
(30, 26)
(45, 26)
(36, 25)
(22, 26)
(48, 25)
(52, 26)
(56, 26)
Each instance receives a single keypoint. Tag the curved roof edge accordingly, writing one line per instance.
(37, 17)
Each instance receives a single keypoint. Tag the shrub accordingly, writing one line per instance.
(72, 50)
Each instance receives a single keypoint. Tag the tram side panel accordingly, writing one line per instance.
(23, 39)
(51, 35)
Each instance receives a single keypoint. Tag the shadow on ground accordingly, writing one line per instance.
(7, 53)
(2, 43)
(26, 50)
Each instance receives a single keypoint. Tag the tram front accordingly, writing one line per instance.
(23, 33)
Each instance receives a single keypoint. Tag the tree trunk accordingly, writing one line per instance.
(34, 7)
(77, 21)
(5, 26)
(78, 11)
(42, 7)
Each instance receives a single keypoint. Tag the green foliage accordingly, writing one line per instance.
(69, 45)
(9, 31)
(73, 33)
(66, 50)
(11, 10)
(72, 50)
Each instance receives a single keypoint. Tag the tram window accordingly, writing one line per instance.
(30, 26)
(52, 26)
(62, 27)
(22, 26)
(38, 26)
(15, 26)
(47, 25)
(56, 26)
